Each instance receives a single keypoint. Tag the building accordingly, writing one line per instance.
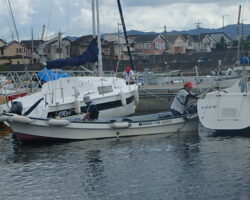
(151, 44)
(13, 53)
(118, 46)
(81, 44)
(32, 46)
(55, 48)
(209, 41)
(176, 44)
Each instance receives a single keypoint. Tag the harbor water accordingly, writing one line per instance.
(203, 165)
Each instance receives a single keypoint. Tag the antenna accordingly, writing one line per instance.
(199, 33)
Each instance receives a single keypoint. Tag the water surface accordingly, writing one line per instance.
(203, 165)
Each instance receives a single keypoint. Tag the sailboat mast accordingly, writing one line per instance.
(100, 67)
(93, 19)
(125, 34)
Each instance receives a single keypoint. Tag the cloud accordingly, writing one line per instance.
(75, 17)
(158, 3)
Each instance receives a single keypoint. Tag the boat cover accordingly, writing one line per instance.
(89, 56)
(51, 74)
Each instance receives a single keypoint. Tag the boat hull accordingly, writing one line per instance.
(40, 129)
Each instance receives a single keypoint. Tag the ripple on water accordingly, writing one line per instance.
(200, 166)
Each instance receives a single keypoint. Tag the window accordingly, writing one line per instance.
(139, 46)
(146, 45)
(59, 50)
(1, 51)
(157, 45)
(16, 50)
(105, 89)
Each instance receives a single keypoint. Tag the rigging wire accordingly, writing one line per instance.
(13, 20)
(50, 11)
(8, 23)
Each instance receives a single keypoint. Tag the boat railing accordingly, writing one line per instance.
(30, 80)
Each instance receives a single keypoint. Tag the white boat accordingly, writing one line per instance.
(226, 109)
(30, 129)
(64, 98)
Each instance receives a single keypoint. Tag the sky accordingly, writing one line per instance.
(74, 17)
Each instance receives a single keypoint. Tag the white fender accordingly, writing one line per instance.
(136, 96)
(120, 125)
(58, 122)
(77, 106)
(123, 99)
(21, 119)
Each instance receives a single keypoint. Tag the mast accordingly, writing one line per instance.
(238, 32)
(100, 67)
(32, 46)
(93, 19)
(125, 34)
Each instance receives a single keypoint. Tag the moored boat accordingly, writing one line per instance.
(30, 129)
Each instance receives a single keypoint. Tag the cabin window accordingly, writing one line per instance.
(105, 89)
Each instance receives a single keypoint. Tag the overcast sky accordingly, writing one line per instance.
(74, 17)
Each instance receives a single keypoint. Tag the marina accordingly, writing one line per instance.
(89, 110)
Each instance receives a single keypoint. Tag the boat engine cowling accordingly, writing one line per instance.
(16, 107)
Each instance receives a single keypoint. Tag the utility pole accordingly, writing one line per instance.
(60, 49)
(165, 35)
(32, 46)
(199, 34)
(43, 33)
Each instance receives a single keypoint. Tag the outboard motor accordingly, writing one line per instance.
(16, 107)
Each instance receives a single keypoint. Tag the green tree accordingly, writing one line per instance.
(222, 44)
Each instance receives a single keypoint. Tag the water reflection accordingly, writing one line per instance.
(194, 166)
(93, 177)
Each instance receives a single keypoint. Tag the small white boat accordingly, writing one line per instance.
(30, 129)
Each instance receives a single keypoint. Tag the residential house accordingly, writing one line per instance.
(197, 39)
(190, 43)
(176, 44)
(14, 53)
(118, 46)
(149, 44)
(209, 41)
(2, 43)
(81, 44)
(32, 46)
(55, 48)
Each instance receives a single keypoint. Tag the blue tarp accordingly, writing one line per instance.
(244, 60)
(51, 74)
(89, 56)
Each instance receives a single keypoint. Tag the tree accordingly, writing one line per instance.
(222, 44)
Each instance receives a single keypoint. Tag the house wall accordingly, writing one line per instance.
(15, 61)
(15, 49)
(155, 47)
(1, 43)
(179, 46)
